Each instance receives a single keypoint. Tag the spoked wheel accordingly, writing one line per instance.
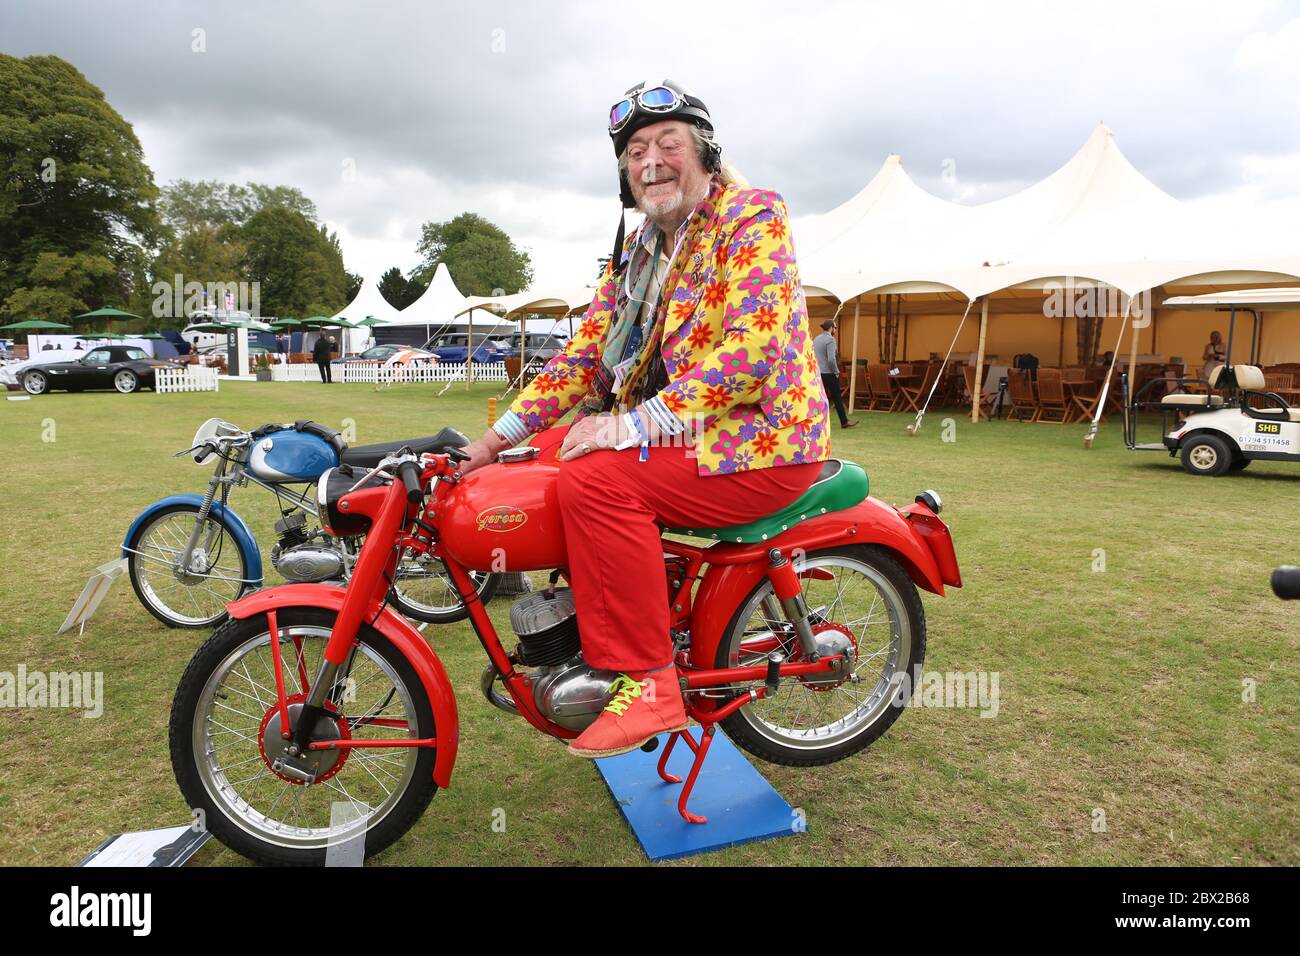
(225, 739)
(423, 590)
(865, 606)
(126, 382)
(196, 596)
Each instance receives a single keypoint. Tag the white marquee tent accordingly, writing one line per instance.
(369, 301)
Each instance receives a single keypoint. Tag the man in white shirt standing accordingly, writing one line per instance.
(828, 364)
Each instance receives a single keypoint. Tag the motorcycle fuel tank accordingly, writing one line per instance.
(505, 517)
(291, 456)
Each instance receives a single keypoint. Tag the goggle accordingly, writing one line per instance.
(656, 99)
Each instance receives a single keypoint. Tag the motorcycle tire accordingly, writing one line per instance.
(488, 582)
(251, 831)
(168, 607)
(749, 728)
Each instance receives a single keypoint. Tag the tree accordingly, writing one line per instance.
(77, 201)
(399, 290)
(297, 264)
(479, 254)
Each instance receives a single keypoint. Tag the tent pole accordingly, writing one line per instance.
(469, 353)
(853, 357)
(978, 390)
(1132, 351)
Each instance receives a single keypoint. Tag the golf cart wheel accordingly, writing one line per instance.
(126, 382)
(1207, 455)
(36, 383)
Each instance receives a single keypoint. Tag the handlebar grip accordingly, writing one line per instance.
(410, 473)
(1286, 582)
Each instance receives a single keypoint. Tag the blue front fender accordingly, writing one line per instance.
(234, 524)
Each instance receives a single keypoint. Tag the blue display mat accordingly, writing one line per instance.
(740, 804)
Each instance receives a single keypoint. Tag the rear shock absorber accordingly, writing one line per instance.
(785, 582)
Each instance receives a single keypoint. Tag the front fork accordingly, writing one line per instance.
(183, 566)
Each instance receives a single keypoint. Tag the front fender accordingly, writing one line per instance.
(239, 530)
(736, 569)
(404, 637)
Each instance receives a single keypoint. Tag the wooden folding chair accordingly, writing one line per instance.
(1021, 391)
(884, 396)
(914, 396)
(1053, 406)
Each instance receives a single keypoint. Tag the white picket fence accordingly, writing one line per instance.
(305, 372)
(375, 373)
(192, 378)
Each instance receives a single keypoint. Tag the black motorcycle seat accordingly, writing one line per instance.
(368, 456)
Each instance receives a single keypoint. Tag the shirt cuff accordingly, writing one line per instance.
(511, 427)
(663, 416)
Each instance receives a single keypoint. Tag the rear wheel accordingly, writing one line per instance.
(862, 604)
(1207, 455)
(225, 739)
(195, 597)
(126, 381)
(423, 590)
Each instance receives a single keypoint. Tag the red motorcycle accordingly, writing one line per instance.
(800, 634)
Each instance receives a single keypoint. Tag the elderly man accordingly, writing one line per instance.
(699, 401)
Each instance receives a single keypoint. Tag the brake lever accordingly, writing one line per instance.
(455, 454)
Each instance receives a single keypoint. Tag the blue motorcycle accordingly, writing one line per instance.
(190, 555)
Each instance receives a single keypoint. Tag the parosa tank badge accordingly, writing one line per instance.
(501, 518)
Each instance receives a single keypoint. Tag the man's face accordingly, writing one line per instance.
(664, 169)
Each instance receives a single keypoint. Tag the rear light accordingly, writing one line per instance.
(930, 498)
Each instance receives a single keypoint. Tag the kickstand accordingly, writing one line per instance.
(701, 751)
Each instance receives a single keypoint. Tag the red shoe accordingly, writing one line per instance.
(645, 704)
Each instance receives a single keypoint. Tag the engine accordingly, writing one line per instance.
(565, 689)
(298, 558)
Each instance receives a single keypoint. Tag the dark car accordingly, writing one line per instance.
(123, 367)
(454, 347)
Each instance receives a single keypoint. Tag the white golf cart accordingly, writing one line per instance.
(1213, 434)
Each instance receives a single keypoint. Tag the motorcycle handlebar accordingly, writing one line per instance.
(1286, 583)
(409, 472)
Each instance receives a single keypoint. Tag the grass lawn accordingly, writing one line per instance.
(1121, 689)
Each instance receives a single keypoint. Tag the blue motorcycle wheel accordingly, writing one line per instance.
(195, 598)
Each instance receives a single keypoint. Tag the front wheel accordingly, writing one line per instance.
(423, 590)
(36, 383)
(225, 740)
(194, 596)
(862, 604)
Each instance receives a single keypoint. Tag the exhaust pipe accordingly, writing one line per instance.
(487, 684)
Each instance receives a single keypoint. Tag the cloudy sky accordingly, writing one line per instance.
(395, 113)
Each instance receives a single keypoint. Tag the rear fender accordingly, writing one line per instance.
(736, 569)
(239, 530)
(404, 637)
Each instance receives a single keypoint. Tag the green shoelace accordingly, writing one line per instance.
(625, 691)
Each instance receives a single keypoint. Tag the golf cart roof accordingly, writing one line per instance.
(1261, 300)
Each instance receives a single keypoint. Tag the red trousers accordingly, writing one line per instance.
(610, 503)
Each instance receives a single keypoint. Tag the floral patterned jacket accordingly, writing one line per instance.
(743, 385)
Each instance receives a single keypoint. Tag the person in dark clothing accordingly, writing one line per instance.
(829, 366)
(320, 352)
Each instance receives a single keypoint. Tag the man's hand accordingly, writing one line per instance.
(592, 434)
(484, 451)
